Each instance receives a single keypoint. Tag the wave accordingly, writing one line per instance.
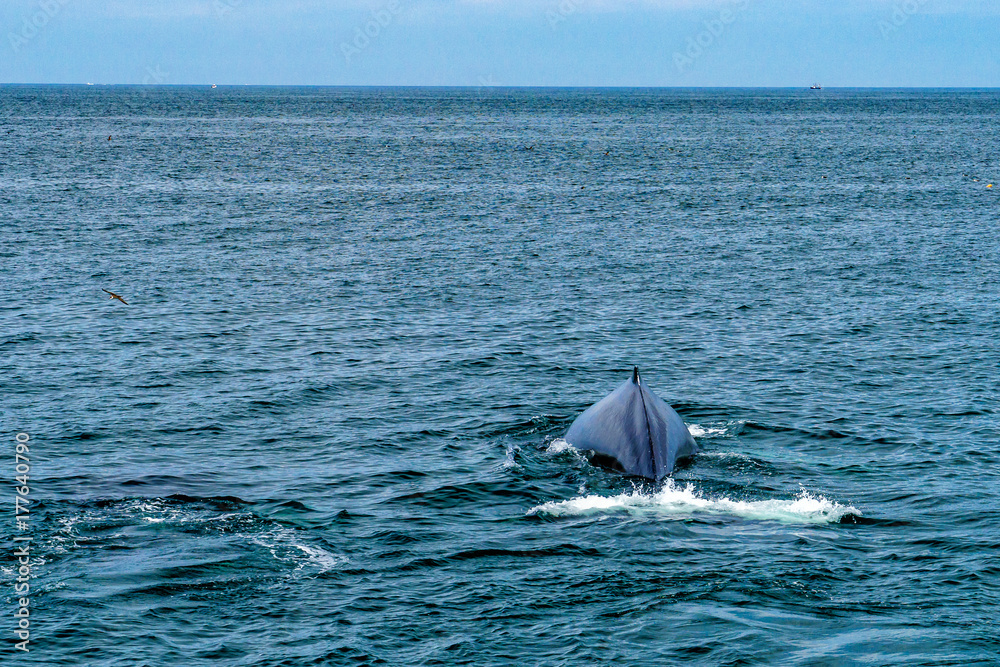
(215, 523)
(287, 545)
(699, 431)
(675, 502)
(558, 446)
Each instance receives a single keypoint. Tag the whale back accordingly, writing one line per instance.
(633, 430)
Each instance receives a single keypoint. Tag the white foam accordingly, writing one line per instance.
(675, 502)
(558, 446)
(510, 458)
(739, 456)
(282, 541)
(323, 559)
(699, 431)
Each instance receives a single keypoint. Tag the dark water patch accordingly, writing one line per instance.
(219, 502)
(464, 495)
(824, 437)
(853, 519)
(292, 506)
(496, 556)
(396, 538)
(193, 429)
(20, 339)
(85, 436)
(169, 484)
(537, 425)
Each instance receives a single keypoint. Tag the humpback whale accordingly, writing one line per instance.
(633, 430)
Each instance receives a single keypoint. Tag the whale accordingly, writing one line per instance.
(634, 431)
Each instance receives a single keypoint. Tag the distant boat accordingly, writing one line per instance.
(214, 86)
(815, 86)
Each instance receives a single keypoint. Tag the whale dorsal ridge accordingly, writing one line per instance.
(634, 429)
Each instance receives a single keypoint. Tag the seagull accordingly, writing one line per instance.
(115, 296)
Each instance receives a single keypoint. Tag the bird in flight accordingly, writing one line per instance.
(115, 296)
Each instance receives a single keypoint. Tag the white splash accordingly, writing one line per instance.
(739, 456)
(674, 502)
(510, 458)
(699, 431)
(558, 446)
(321, 558)
(284, 545)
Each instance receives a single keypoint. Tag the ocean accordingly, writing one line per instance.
(326, 429)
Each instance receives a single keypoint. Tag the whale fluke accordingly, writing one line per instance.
(633, 430)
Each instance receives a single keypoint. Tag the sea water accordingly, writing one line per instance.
(326, 429)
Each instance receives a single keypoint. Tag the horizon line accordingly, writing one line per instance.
(481, 87)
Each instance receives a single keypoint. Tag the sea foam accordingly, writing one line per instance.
(699, 431)
(675, 502)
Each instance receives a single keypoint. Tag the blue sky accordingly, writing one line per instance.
(503, 42)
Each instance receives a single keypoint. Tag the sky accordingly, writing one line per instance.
(768, 43)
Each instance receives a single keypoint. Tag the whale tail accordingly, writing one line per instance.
(633, 430)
